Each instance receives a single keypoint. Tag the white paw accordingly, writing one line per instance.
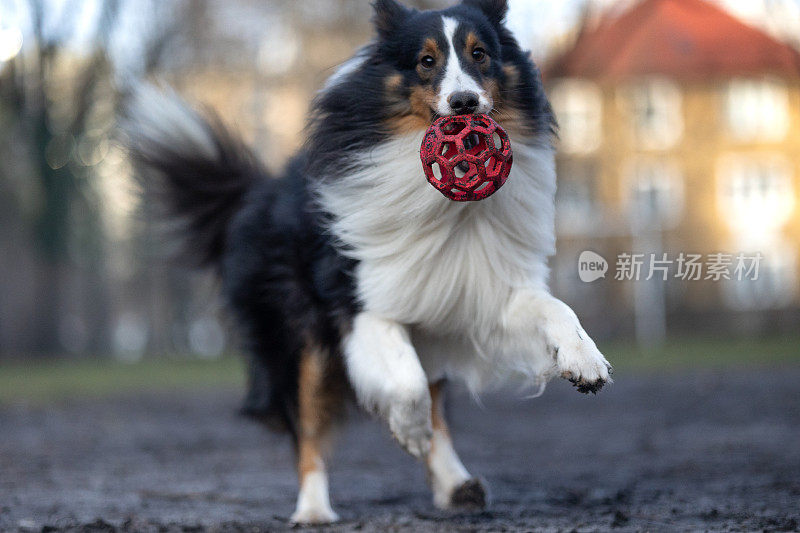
(313, 503)
(314, 516)
(578, 359)
(410, 422)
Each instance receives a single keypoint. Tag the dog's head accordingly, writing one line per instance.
(455, 61)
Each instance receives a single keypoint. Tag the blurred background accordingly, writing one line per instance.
(680, 132)
(119, 377)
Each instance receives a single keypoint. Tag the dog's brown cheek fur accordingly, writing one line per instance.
(510, 117)
(410, 109)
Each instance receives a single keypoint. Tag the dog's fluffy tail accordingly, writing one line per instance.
(192, 165)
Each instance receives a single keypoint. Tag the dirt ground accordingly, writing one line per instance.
(681, 451)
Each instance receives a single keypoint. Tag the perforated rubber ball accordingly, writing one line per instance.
(466, 157)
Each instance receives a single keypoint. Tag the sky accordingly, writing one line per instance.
(535, 22)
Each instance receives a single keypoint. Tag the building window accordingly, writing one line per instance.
(755, 193)
(578, 108)
(654, 108)
(576, 206)
(757, 110)
(655, 193)
(775, 286)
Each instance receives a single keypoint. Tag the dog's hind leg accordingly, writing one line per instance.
(453, 487)
(316, 408)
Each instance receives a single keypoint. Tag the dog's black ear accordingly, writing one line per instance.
(495, 10)
(388, 16)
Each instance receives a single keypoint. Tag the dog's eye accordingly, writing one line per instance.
(479, 54)
(427, 61)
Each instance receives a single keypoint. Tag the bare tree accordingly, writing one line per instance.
(63, 100)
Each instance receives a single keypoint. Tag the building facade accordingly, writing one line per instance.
(679, 137)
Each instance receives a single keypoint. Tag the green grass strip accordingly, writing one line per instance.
(47, 380)
(42, 381)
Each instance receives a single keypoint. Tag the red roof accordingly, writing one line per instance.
(686, 39)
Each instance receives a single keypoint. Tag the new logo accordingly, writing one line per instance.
(591, 266)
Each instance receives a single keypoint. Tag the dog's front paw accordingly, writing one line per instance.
(578, 360)
(410, 422)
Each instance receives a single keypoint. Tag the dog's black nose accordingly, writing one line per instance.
(463, 102)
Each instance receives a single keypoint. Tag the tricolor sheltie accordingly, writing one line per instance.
(351, 275)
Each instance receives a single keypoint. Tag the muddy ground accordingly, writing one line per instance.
(681, 451)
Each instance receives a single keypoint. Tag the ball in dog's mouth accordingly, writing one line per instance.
(466, 157)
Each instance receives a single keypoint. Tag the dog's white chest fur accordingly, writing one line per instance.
(434, 264)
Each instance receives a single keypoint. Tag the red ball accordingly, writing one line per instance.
(466, 157)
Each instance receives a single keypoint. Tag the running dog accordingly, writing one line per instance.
(349, 274)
